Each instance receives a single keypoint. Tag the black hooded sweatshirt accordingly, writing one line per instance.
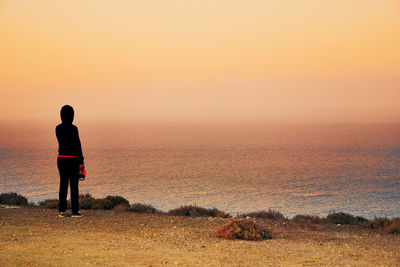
(67, 134)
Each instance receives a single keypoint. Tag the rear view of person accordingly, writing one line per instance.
(69, 161)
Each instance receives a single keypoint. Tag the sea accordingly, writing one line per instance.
(294, 168)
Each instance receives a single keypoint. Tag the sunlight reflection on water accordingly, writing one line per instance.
(311, 169)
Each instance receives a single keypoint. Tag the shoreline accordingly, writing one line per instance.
(86, 202)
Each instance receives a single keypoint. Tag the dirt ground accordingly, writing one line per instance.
(37, 237)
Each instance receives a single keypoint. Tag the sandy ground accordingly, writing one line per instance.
(37, 237)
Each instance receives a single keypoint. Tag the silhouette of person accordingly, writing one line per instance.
(69, 161)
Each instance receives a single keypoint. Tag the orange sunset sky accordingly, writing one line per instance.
(183, 60)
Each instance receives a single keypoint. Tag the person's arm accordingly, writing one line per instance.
(79, 149)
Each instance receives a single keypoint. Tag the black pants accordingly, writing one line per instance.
(69, 173)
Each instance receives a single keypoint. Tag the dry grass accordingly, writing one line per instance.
(393, 227)
(242, 229)
(378, 223)
(87, 202)
(50, 204)
(107, 203)
(37, 237)
(345, 218)
(308, 219)
(195, 211)
(390, 226)
(118, 200)
(120, 207)
(143, 208)
(265, 214)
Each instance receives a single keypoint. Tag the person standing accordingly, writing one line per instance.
(69, 161)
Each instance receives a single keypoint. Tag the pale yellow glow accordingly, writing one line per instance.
(201, 60)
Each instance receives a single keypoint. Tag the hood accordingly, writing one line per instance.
(67, 114)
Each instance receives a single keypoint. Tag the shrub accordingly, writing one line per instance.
(218, 213)
(49, 204)
(242, 229)
(86, 202)
(120, 207)
(378, 223)
(102, 204)
(118, 200)
(393, 227)
(308, 219)
(361, 220)
(143, 208)
(269, 214)
(13, 199)
(195, 211)
(344, 218)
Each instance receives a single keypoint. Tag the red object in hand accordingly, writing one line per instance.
(82, 172)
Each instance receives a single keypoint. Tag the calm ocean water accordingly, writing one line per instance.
(294, 168)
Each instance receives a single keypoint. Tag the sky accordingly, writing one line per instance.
(209, 60)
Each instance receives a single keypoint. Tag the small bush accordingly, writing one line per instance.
(344, 218)
(242, 229)
(143, 208)
(269, 214)
(218, 213)
(195, 211)
(13, 199)
(308, 219)
(118, 200)
(378, 223)
(87, 195)
(120, 207)
(361, 220)
(102, 204)
(86, 202)
(49, 204)
(393, 227)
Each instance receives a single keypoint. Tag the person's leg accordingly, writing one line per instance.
(74, 183)
(62, 195)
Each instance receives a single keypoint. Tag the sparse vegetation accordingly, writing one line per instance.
(143, 208)
(393, 227)
(49, 204)
(361, 219)
(195, 211)
(242, 229)
(345, 218)
(107, 203)
(103, 237)
(86, 201)
(265, 214)
(102, 204)
(390, 226)
(308, 219)
(120, 207)
(12, 198)
(378, 223)
(118, 200)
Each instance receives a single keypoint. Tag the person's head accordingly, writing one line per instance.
(67, 114)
